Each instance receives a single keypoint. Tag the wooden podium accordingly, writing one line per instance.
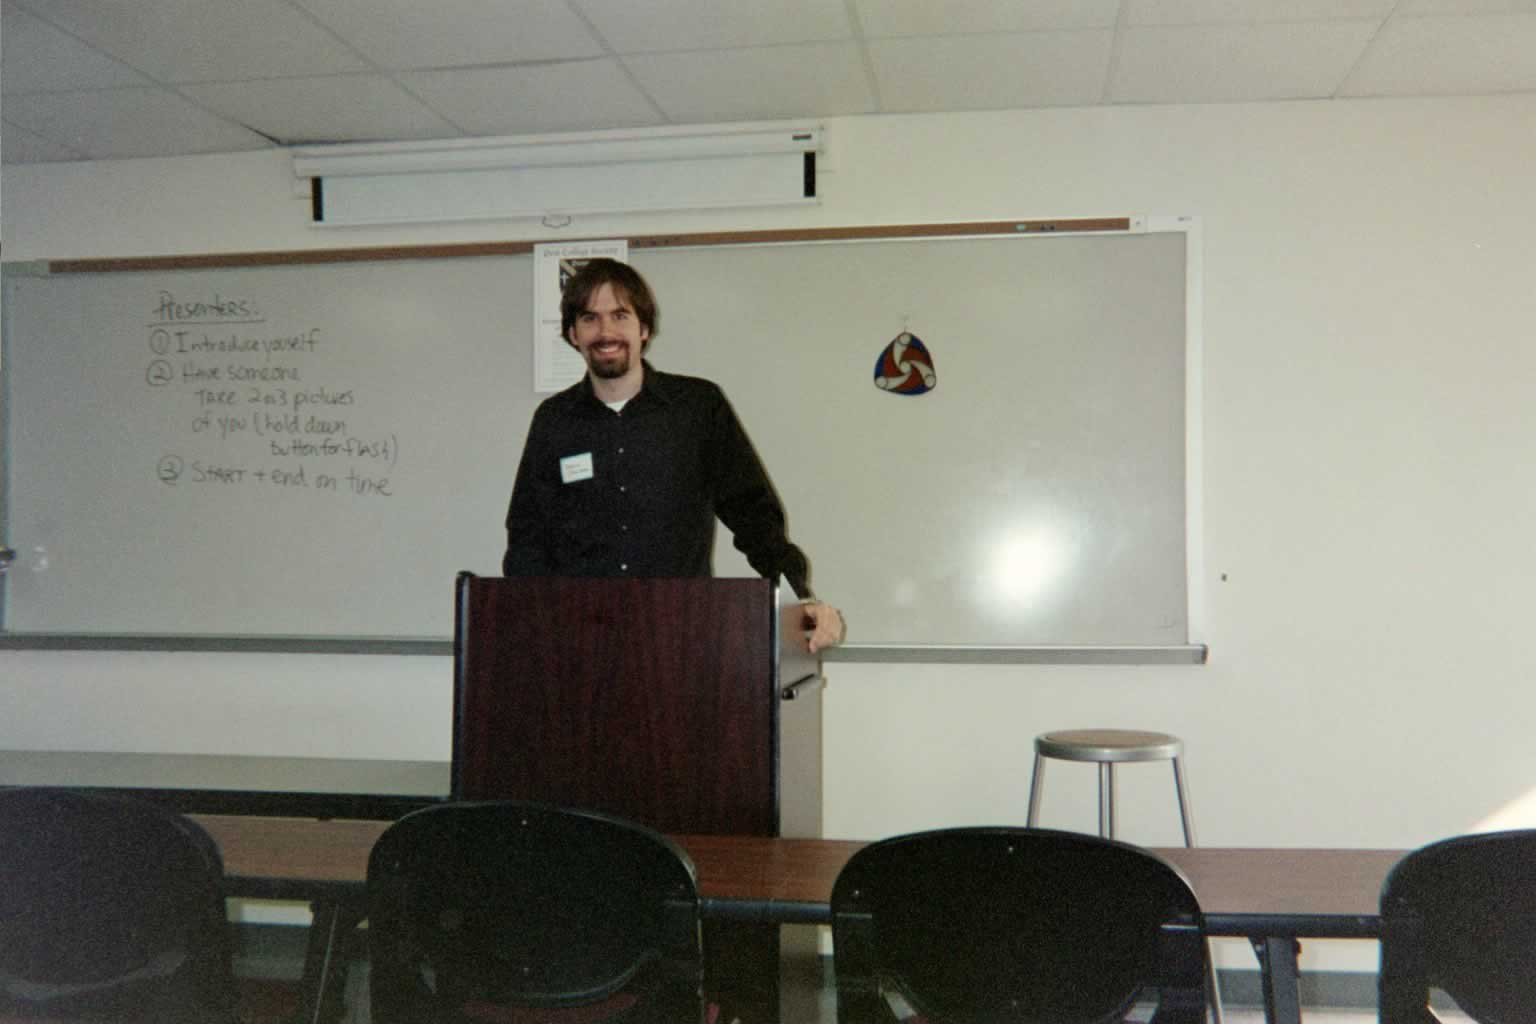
(687, 705)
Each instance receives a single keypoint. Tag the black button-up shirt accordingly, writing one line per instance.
(636, 492)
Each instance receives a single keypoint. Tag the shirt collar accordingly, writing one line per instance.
(653, 387)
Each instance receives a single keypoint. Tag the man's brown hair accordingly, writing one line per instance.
(628, 287)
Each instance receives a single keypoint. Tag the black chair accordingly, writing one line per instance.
(1460, 916)
(110, 910)
(973, 925)
(514, 913)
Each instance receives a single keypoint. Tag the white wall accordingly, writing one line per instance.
(1368, 490)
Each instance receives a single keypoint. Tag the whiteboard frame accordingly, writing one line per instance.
(1194, 651)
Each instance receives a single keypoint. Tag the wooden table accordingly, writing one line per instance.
(1271, 897)
(310, 787)
(293, 858)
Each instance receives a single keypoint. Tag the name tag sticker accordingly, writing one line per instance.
(576, 467)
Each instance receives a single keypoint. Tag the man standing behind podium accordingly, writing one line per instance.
(624, 473)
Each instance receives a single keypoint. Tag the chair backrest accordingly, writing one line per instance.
(1460, 916)
(110, 909)
(486, 911)
(1012, 924)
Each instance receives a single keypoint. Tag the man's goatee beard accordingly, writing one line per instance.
(611, 370)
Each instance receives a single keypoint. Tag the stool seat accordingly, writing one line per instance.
(1109, 745)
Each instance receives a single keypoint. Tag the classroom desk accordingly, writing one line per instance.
(310, 787)
(1272, 897)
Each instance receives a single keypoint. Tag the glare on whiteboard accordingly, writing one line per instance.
(1025, 568)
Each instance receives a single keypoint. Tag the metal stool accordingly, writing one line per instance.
(1107, 748)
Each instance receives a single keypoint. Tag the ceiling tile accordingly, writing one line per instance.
(809, 80)
(19, 146)
(1411, 7)
(570, 96)
(884, 18)
(1030, 69)
(315, 69)
(128, 123)
(205, 40)
(629, 26)
(1449, 56)
(334, 108)
(397, 34)
(1249, 12)
(35, 57)
(1496, 53)
(1237, 63)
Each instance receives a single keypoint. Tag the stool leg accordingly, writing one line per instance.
(1035, 788)
(1184, 816)
(1107, 799)
(1212, 990)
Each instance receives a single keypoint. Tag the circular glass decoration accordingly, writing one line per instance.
(905, 367)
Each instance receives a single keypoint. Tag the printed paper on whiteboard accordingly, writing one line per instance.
(556, 365)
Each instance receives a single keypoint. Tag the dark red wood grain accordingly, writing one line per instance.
(654, 700)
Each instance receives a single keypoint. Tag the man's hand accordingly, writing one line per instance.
(824, 624)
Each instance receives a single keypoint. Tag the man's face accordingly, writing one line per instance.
(609, 335)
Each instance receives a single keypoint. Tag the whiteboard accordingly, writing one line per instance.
(317, 450)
